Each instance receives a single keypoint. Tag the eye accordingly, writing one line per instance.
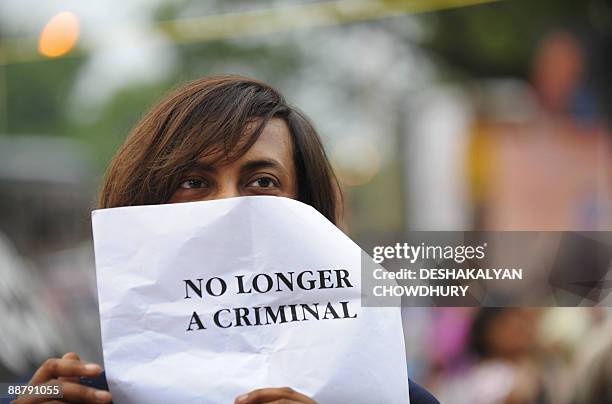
(193, 183)
(263, 182)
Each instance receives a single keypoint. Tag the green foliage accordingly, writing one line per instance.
(36, 95)
(497, 39)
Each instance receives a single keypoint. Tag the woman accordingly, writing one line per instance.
(218, 137)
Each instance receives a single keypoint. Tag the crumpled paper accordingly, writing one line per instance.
(145, 255)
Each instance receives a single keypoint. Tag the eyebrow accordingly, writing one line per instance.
(260, 163)
(201, 166)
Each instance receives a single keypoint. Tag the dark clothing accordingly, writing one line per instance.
(418, 395)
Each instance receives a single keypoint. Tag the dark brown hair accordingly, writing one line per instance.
(214, 116)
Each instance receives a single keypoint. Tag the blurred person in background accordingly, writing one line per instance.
(28, 331)
(549, 168)
(500, 366)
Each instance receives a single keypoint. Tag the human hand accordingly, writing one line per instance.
(65, 372)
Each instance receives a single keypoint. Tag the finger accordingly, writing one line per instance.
(78, 393)
(271, 394)
(54, 368)
(73, 356)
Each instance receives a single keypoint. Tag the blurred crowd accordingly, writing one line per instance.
(417, 145)
(538, 157)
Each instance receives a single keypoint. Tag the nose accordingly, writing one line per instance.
(227, 190)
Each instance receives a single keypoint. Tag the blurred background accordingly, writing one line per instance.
(437, 115)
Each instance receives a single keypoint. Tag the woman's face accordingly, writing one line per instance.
(267, 168)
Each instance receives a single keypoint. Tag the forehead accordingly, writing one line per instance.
(274, 143)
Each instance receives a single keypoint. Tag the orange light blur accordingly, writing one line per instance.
(59, 36)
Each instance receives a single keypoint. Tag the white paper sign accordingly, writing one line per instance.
(279, 305)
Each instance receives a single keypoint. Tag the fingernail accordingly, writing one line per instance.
(92, 367)
(242, 399)
(102, 395)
